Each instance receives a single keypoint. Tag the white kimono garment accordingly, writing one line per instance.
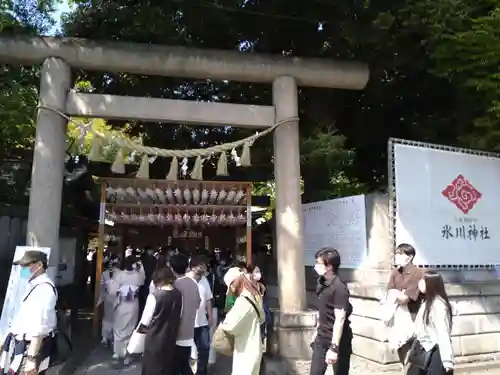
(107, 298)
(126, 313)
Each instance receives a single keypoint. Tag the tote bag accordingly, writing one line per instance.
(136, 343)
(222, 342)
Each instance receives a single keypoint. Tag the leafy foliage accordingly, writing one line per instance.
(433, 63)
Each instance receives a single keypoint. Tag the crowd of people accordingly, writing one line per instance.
(176, 302)
(179, 300)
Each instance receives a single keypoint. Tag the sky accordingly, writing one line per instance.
(62, 8)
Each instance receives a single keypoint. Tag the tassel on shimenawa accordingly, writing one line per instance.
(174, 170)
(245, 159)
(197, 172)
(222, 165)
(95, 149)
(118, 165)
(143, 171)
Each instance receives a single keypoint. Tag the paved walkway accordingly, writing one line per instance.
(99, 363)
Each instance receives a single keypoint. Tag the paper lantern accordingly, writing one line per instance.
(222, 196)
(187, 195)
(196, 196)
(170, 195)
(204, 196)
(178, 195)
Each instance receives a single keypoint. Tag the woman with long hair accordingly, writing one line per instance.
(433, 327)
(243, 322)
(160, 322)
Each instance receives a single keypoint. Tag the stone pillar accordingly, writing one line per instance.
(293, 325)
(48, 159)
(290, 253)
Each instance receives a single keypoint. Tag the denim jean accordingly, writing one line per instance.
(202, 342)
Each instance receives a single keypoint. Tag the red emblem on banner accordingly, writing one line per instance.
(462, 194)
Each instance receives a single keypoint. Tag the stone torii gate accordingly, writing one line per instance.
(59, 55)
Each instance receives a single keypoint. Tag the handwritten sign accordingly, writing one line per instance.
(338, 223)
(16, 290)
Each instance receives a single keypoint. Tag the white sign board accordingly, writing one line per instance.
(16, 289)
(338, 223)
(447, 205)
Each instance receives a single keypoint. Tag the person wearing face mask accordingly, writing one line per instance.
(204, 315)
(405, 278)
(26, 349)
(256, 274)
(332, 344)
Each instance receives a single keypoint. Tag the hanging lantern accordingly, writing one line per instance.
(204, 196)
(187, 195)
(222, 196)
(160, 194)
(142, 194)
(169, 219)
(170, 195)
(151, 194)
(222, 219)
(195, 219)
(239, 196)
(178, 195)
(213, 196)
(178, 219)
(231, 219)
(196, 196)
(230, 196)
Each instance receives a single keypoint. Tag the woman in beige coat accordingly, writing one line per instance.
(243, 322)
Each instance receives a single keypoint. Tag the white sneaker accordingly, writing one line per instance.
(115, 356)
(127, 361)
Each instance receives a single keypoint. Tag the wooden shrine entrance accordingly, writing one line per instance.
(185, 214)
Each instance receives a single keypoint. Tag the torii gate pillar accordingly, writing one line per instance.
(48, 159)
(290, 254)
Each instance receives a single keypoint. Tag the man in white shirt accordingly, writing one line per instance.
(35, 321)
(204, 318)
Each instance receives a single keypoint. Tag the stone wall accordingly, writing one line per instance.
(474, 295)
(476, 322)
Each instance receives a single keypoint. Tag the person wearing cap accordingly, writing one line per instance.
(26, 349)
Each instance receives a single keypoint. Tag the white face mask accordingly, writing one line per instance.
(257, 276)
(320, 269)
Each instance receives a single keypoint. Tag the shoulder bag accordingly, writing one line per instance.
(61, 348)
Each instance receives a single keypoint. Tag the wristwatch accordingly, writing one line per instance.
(334, 348)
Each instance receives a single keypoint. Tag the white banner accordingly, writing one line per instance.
(448, 205)
(338, 223)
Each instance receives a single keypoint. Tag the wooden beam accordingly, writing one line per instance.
(150, 59)
(166, 110)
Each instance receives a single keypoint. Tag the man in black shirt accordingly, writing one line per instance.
(332, 344)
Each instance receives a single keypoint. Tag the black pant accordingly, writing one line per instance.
(319, 366)
(435, 366)
(181, 359)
